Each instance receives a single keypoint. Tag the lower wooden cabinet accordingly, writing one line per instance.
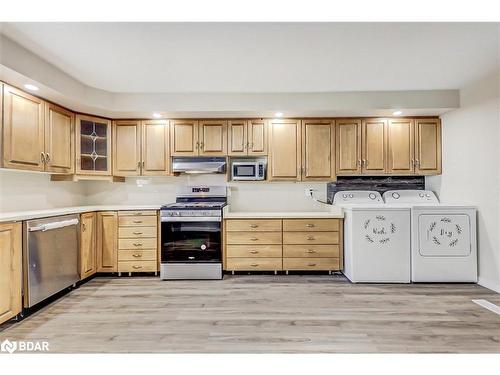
(107, 234)
(283, 244)
(10, 270)
(88, 258)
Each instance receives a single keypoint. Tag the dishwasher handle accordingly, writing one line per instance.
(54, 225)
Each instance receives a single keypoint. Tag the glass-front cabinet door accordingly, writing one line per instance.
(93, 146)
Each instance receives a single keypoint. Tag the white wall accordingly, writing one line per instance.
(471, 167)
(33, 190)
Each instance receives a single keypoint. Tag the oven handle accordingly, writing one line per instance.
(170, 219)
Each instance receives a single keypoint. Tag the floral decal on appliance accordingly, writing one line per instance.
(444, 232)
(379, 230)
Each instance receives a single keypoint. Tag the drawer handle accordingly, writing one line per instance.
(310, 225)
(137, 232)
(310, 238)
(254, 226)
(254, 251)
(137, 221)
(136, 267)
(311, 264)
(311, 251)
(254, 239)
(137, 255)
(254, 264)
(137, 244)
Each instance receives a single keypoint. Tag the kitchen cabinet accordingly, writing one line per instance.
(193, 138)
(247, 137)
(213, 138)
(373, 146)
(88, 259)
(107, 234)
(93, 146)
(400, 146)
(348, 146)
(427, 146)
(59, 139)
(10, 270)
(141, 148)
(184, 138)
(284, 150)
(318, 150)
(23, 130)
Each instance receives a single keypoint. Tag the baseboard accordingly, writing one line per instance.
(488, 284)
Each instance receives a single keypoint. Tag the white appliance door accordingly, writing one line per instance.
(442, 235)
(381, 245)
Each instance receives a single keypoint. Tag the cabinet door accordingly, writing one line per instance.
(126, 148)
(427, 146)
(93, 146)
(155, 148)
(257, 137)
(87, 244)
(237, 139)
(23, 133)
(59, 139)
(213, 138)
(400, 149)
(184, 138)
(373, 139)
(107, 242)
(318, 140)
(348, 146)
(284, 150)
(10, 270)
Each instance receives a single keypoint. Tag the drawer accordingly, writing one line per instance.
(250, 238)
(311, 225)
(137, 221)
(311, 251)
(137, 232)
(257, 251)
(254, 264)
(137, 243)
(319, 238)
(138, 266)
(136, 255)
(253, 225)
(303, 264)
(137, 213)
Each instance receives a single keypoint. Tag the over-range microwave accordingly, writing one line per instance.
(248, 170)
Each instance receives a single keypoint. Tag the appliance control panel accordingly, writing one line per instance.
(410, 196)
(357, 197)
(190, 213)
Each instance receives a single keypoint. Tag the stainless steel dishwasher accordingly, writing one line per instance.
(50, 254)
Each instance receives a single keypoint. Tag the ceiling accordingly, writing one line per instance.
(263, 57)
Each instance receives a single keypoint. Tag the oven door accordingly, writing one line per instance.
(244, 171)
(191, 241)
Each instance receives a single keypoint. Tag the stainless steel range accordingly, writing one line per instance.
(191, 235)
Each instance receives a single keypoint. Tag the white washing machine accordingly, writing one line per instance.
(443, 237)
(376, 238)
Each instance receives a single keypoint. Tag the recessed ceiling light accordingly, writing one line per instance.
(397, 113)
(31, 87)
(278, 114)
(156, 115)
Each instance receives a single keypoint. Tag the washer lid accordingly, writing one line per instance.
(444, 235)
(357, 197)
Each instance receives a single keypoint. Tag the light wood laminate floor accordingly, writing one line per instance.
(264, 314)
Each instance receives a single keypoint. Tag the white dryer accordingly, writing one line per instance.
(376, 238)
(443, 237)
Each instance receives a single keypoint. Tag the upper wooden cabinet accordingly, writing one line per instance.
(107, 241)
(318, 149)
(193, 138)
(155, 149)
(400, 146)
(93, 146)
(373, 146)
(348, 145)
(10, 270)
(213, 138)
(427, 146)
(23, 130)
(247, 137)
(59, 139)
(284, 150)
(126, 148)
(184, 138)
(87, 257)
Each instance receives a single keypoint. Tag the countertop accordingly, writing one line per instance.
(334, 212)
(38, 214)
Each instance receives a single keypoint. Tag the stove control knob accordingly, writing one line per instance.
(372, 196)
(395, 195)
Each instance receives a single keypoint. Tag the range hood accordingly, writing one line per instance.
(199, 164)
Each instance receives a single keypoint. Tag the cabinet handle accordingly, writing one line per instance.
(359, 163)
(254, 251)
(417, 162)
(197, 145)
(137, 232)
(310, 225)
(310, 238)
(254, 226)
(412, 162)
(251, 147)
(254, 264)
(47, 157)
(139, 164)
(137, 255)
(311, 251)
(201, 145)
(137, 221)
(136, 267)
(84, 227)
(246, 146)
(311, 264)
(137, 244)
(253, 239)
(42, 157)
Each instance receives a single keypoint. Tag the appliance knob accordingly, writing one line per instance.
(395, 195)
(372, 196)
(344, 195)
(351, 195)
(428, 195)
(421, 195)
